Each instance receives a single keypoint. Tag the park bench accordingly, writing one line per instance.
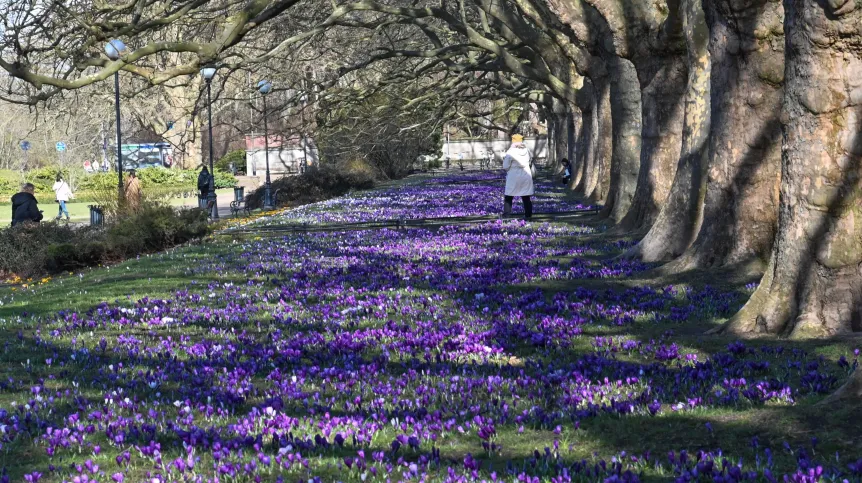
(237, 206)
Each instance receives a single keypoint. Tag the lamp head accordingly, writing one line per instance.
(208, 73)
(264, 87)
(114, 49)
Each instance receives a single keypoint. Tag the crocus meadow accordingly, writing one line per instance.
(450, 196)
(396, 355)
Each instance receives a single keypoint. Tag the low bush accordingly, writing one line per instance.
(24, 249)
(236, 157)
(28, 251)
(152, 179)
(319, 183)
(155, 228)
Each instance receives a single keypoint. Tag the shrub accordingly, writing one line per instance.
(43, 178)
(72, 256)
(319, 183)
(85, 185)
(29, 251)
(236, 157)
(155, 228)
(23, 249)
(224, 179)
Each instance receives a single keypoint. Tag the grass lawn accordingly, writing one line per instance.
(497, 351)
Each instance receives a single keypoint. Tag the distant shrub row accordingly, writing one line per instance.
(319, 183)
(28, 251)
(177, 181)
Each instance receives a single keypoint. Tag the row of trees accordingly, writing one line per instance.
(727, 132)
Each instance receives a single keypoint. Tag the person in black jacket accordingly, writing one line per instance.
(204, 183)
(25, 208)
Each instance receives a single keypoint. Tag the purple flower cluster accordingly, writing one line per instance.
(452, 196)
(390, 355)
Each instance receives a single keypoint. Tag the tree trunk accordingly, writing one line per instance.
(576, 145)
(589, 140)
(601, 143)
(626, 121)
(741, 208)
(187, 144)
(561, 141)
(813, 285)
(679, 220)
(663, 79)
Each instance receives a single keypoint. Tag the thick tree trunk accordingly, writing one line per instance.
(561, 139)
(680, 218)
(577, 147)
(596, 141)
(741, 207)
(813, 285)
(663, 80)
(584, 151)
(625, 99)
(553, 144)
(601, 142)
(571, 118)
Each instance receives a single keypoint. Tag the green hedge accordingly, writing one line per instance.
(29, 251)
(151, 178)
(236, 157)
(318, 183)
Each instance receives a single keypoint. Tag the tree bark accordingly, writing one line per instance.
(813, 285)
(740, 213)
(680, 217)
(663, 79)
(596, 140)
(625, 100)
(585, 150)
(576, 131)
(601, 142)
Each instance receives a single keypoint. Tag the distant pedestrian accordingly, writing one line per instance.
(133, 191)
(518, 164)
(567, 170)
(62, 193)
(25, 208)
(204, 183)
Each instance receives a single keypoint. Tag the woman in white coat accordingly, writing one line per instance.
(64, 194)
(518, 164)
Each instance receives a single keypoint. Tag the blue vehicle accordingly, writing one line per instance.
(139, 156)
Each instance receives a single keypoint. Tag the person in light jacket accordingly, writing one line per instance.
(133, 192)
(519, 176)
(63, 194)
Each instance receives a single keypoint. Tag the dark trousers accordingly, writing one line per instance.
(528, 206)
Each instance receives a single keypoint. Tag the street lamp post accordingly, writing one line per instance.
(264, 87)
(208, 73)
(114, 49)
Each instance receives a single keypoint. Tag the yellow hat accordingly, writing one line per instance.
(517, 138)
